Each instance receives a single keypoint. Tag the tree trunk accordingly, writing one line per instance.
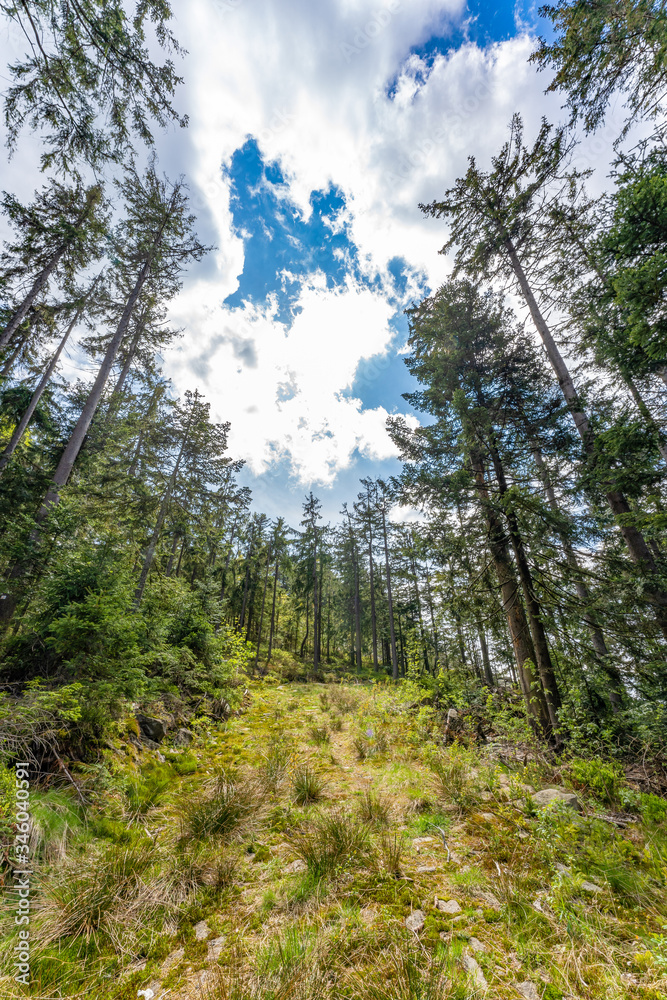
(316, 627)
(540, 645)
(488, 673)
(429, 599)
(261, 615)
(374, 637)
(273, 609)
(616, 688)
(162, 513)
(634, 540)
(38, 284)
(247, 578)
(172, 555)
(37, 395)
(514, 612)
(392, 634)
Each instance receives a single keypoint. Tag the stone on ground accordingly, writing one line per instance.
(548, 796)
(415, 921)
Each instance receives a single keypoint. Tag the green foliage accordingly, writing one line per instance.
(454, 771)
(602, 778)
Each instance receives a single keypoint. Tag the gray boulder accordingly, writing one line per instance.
(183, 738)
(550, 795)
(151, 729)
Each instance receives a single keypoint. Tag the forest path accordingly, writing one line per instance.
(495, 907)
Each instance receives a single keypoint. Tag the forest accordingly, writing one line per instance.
(520, 607)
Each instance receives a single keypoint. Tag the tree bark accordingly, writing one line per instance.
(390, 605)
(639, 551)
(512, 606)
(37, 395)
(273, 609)
(38, 284)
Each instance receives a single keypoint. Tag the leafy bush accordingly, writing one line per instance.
(602, 778)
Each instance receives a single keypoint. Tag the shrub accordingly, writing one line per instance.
(307, 786)
(602, 778)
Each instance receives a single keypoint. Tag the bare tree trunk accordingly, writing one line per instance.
(640, 552)
(540, 645)
(514, 612)
(316, 627)
(429, 598)
(261, 615)
(374, 637)
(38, 284)
(247, 578)
(37, 395)
(394, 660)
(172, 555)
(273, 609)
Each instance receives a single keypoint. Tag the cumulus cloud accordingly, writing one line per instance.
(284, 386)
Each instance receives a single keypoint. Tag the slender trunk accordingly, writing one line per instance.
(261, 614)
(172, 555)
(401, 647)
(392, 634)
(247, 578)
(273, 608)
(616, 688)
(374, 637)
(328, 627)
(639, 551)
(38, 284)
(227, 558)
(512, 606)
(180, 556)
(125, 371)
(162, 513)
(305, 638)
(11, 358)
(488, 673)
(651, 423)
(540, 645)
(316, 627)
(429, 600)
(37, 395)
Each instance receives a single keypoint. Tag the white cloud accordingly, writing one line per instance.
(282, 386)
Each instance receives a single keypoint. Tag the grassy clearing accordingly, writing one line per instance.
(280, 863)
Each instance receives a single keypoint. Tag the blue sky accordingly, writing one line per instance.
(313, 138)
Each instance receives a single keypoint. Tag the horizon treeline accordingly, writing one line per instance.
(132, 563)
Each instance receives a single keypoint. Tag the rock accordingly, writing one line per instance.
(418, 841)
(461, 917)
(415, 921)
(172, 960)
(492, 902)
(161, 757)
(563, 869)
(201, 931)
(591, 887)
(183, 738)
(295, 866)
(148, 993)
(448, 906)
(548, 796)
(474, 971)
(215, 948)
(452, 716)
(476, 944)
(427, 868)
(151, 729)
(367, 915)
(528, 990)
(486, 818)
